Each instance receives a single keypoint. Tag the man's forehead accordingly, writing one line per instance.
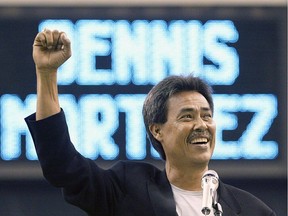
(188, 101)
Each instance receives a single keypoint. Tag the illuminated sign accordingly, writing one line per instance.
(123, 57)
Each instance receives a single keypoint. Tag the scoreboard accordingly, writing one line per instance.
(118, 54)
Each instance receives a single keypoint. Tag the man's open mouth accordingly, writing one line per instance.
(199, 141)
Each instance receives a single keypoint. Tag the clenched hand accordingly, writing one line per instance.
(50, 50)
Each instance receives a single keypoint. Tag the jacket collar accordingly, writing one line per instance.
(161, 195)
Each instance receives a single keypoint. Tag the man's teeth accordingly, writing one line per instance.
(199, 141)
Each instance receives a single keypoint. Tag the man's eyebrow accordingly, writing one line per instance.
(187, 109)
(191, 109)
(205, 109)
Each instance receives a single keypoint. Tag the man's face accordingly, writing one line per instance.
(188, 136)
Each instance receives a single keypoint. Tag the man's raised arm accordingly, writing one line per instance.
(50, 50)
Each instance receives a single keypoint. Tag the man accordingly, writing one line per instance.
(178, 115)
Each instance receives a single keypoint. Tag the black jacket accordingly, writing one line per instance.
(126, 189)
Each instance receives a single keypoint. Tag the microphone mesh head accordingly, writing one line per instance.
(210, 173)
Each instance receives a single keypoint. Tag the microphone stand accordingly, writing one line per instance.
(217, 209)
(216, 206)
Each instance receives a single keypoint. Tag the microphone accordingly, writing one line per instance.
(209, 184)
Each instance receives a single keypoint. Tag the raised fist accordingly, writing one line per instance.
(50, 50)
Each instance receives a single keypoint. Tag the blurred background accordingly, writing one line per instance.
(120, 50)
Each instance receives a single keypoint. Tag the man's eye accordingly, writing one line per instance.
(207, 116)
(187, 116)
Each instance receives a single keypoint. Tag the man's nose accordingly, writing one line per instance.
(200, 124)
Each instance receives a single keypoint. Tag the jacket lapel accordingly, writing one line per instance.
(161, 196)
(230, 205)
(163, 203)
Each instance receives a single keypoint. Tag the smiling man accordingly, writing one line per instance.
(185, 135)
(178, 116)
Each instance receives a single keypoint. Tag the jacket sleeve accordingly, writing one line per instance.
(85, 184)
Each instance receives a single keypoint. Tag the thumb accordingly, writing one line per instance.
(66, 44)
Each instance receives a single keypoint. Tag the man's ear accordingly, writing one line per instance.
(155, 129)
